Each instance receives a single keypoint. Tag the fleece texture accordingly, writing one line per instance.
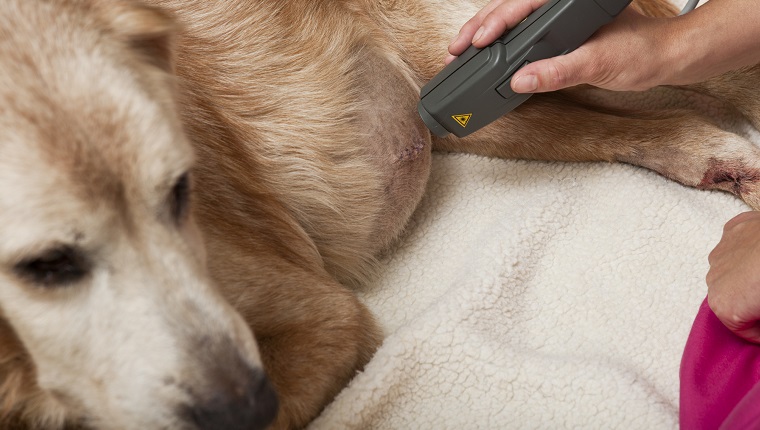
(529, 295)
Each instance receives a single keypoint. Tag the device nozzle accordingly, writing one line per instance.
(435, 127)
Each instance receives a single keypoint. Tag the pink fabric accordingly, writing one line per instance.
(719, 375)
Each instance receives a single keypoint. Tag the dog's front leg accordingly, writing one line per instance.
(314, 335)
(679, 143)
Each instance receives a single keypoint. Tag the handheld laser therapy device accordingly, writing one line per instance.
(474, 89)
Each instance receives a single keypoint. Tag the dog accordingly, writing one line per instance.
(179, 176)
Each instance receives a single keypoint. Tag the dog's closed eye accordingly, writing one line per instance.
(179, 199)
(55, 267)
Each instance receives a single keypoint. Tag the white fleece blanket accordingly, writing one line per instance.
(537, 295)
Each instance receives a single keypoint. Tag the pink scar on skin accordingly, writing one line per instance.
(729, 176)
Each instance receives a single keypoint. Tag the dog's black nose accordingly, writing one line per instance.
(251, 405)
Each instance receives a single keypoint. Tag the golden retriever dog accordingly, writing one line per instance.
(179, 176)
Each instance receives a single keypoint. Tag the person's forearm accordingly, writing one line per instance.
(717, 37)
(633, 52)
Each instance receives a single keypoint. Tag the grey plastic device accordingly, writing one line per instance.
(474, 89)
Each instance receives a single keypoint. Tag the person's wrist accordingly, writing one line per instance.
(667, 55)
(685, 55)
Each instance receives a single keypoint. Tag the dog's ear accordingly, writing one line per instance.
(148, 30)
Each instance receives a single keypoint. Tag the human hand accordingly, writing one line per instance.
(733, 280)
(624, 55)
(490, 23)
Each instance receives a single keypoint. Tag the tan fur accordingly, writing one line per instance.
(309, 155)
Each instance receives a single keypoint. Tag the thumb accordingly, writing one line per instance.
(551, 74)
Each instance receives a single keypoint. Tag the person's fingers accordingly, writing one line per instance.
(464, 39)
(746, 329)
(733, 280)
(729, 310)
(550, 74)
(491, 22)
(712, 258)
(742, 217)
(749, 333)
(732, 230)
(505, 16)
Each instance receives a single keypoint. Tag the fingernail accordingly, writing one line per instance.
(525, 84)
(449, 59)
(478, 35)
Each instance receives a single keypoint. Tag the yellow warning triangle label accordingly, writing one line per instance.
(462, 119)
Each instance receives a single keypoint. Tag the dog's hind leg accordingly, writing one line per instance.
(739, 89)
(679, 143)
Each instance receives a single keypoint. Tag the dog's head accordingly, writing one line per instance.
(109, 318)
